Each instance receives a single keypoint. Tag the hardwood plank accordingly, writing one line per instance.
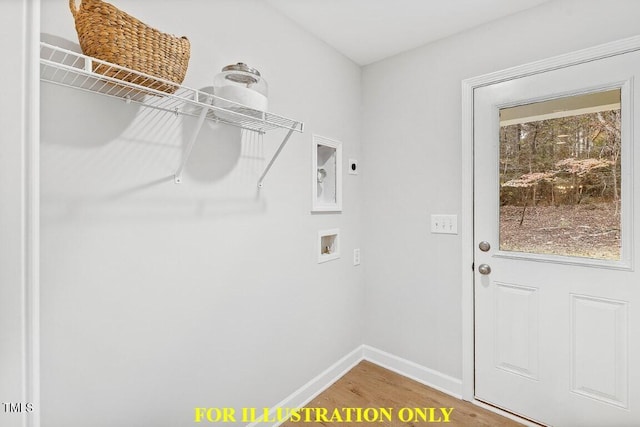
(370, 386)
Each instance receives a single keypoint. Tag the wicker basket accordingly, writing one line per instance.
(107, 33)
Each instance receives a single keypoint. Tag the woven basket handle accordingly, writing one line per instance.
(74, 9)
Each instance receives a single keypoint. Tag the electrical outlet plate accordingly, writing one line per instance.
(444, 224)
(356, 256)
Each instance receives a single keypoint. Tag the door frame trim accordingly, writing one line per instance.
(31, 206)
(466, 224)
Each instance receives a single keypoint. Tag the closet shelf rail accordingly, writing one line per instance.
(71, 69)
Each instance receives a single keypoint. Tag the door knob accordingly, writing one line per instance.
(484, 269)
(484, 246)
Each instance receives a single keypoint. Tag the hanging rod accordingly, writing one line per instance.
(75, 70)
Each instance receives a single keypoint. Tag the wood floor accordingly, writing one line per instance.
(370, 386)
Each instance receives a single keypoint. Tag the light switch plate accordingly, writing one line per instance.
(444, 224)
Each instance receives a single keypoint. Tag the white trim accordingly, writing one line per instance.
(317, 385)
(32, 209)
(429, 377)
(606, 50)
(468, 86)
(466, 236)
(404, 367)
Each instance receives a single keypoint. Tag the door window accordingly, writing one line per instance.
(560, 176)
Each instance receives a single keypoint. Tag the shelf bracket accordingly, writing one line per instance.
(275, 156)
(74, 70)
(203, 114)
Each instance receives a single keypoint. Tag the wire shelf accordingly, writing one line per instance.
(71, 69)
(66, 68)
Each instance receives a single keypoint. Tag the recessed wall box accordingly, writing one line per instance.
(326, 175)
(328, 246)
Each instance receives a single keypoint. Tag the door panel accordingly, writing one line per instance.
(599, 349)
(516, 326)
(557, 335)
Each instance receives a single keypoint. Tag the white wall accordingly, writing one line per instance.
(157, 297)
(412, 154)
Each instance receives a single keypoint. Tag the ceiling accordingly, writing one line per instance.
(367, 31)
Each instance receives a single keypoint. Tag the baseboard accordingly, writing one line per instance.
(306, 393)
(429, 377)
(434, 379)
(309, 391)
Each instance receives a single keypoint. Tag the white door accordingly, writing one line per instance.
(556, 204)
